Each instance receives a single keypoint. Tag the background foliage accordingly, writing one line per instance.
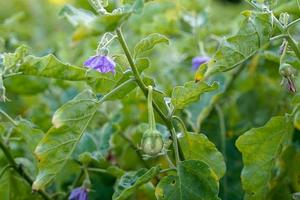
(240, 140)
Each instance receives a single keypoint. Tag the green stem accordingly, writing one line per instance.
(293, 45)
(8, 117)
(144, 89)
(19, 169)
(151, 117)
(167, 170)
(223, 144)
(184, 130)
(292, 23)
(137, 75)
(169, 160)
(175, 145)
(288, 37)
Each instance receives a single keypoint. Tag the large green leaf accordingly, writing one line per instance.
(131, 181)
(14, 187)
(195, 181)
(254, 33)
(148, 43)
(198, 147)
(261, 147)
(56, 147)
(190, 92)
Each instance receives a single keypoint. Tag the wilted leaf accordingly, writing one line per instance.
(195, 181)
(190, 92)
(198, 147)
(261, 147)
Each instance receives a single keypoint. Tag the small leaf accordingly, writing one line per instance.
(131, 181)
(254, 33)
(190, 92)
(148, 43)
(142, 64)
(260, 148)
(198, 147)
(195, 181)
(56, 147)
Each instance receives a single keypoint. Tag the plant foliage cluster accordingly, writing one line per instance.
(99, 100)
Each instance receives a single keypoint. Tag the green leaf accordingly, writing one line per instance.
(14, 187)
(142, 64)
(254, 33)
(26, 84)
(198, 147)
(76, 16)
(56, 147)
(131, 181)
(148, 43)
(49, 66)
(190, 92)
(29, 133)
(195, 181)
(106, 133)
(260, 148)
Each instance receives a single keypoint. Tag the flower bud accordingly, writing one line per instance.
(152, 142)
(286, 70)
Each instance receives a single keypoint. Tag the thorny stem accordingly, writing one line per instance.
(19, 169)
(223, 144)
(144, 89)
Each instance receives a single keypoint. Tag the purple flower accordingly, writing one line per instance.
(101, 63)
(80, 193)
(199, 60)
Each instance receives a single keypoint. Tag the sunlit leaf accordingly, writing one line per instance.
(56, 147)
(148, 43)
(255, 32)
(195, 181)
(198, 147)
(190, 92)
(261, 147)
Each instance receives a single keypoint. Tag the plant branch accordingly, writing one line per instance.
(19, 169)
(223, 144)
(144, 89)
(8, 117)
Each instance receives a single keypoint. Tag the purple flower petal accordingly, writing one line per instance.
(101, 63)
(197, 61)
(79, 194)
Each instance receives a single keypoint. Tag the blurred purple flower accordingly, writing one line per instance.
(80, 193)
(199, 60)
(101, 63)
